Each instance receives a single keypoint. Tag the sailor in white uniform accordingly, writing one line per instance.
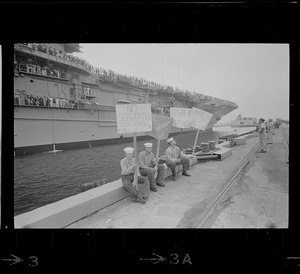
(128, 168)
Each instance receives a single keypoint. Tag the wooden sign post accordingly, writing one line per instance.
(136, 172)
(157, 157)
(196, 141)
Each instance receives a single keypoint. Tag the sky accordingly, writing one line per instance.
(254, 76)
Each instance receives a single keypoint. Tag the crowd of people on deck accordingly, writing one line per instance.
(45, 101)
(110, 75)
(146, 173)
(35, 68)
(69, 57)
(58, 53)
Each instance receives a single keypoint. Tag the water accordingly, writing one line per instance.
(44, 178)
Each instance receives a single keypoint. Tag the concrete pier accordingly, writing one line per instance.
(258, 197)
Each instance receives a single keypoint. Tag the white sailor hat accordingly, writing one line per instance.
(128, 149)
(148, 144)
(170, 140)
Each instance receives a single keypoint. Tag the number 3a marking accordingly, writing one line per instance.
(34, 260)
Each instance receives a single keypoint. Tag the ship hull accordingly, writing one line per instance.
(38, 129)
(49, 148)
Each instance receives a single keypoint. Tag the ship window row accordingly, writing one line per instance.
(42, 70)
(45, 101)
(39, 101)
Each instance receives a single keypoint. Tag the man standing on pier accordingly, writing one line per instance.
(270, 131)
(148, 166)
(284, 127)
(128, 168)
(176, 157)
(262, 135)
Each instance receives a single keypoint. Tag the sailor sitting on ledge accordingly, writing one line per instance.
(149, 166)
(176, 157)
(128, 168)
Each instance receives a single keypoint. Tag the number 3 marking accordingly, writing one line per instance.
(176, 258)
(34, 260)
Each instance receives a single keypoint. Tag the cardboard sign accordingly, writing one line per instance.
(186, 118)
(202, 118)
(134, 118)
(183, 117)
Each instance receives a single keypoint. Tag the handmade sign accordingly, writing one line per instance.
(183, 117)
(202, 118)
(134, 118)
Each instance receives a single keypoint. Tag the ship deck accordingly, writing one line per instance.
(195, 201)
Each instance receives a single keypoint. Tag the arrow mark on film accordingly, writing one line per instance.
(158, 259)
(15, 260)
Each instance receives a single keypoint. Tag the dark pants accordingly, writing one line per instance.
(183, 161)
(143, 186)
(150, 175)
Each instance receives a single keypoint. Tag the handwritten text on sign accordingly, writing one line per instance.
(134, 118)
(186, 118)
(183, 117)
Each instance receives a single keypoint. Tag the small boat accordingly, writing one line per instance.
(244, 122)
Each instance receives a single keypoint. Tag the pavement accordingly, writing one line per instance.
(258, 198)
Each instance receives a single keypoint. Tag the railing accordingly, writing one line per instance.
(38, 70)
(55, 53)
(45, 102)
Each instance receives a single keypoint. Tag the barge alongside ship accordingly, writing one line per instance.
(62, 102)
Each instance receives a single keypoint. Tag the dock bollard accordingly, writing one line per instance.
(205, 147)
(212, 145)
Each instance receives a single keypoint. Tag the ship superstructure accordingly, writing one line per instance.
(63, 102)
(244, 121)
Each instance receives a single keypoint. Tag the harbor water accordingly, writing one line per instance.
(44, 178)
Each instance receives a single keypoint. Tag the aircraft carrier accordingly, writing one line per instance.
(62, 102)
